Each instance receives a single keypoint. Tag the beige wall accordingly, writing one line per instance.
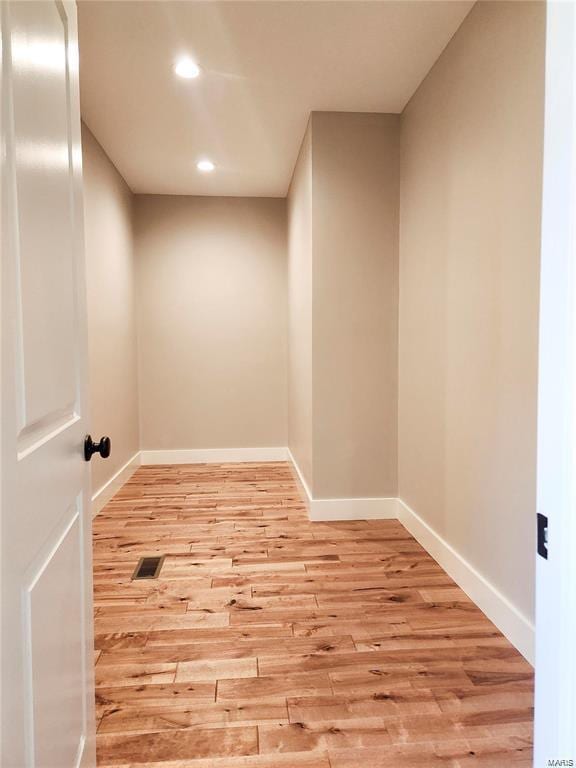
(111, 309)
(355, 180)
(300, 311)
(212, 291)
(343, 305)
(469, 260)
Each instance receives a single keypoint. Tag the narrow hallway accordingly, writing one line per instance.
(271, 641)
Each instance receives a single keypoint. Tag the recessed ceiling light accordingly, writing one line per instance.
(187, 68)
(206, 166)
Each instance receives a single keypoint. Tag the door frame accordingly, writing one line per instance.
(555, 695)
(2, 176)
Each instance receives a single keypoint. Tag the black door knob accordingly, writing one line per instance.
(90, 447)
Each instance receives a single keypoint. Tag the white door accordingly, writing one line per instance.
(47, 677)
(555, 725)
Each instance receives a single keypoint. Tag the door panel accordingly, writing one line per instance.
(47, 357)
(54, 661)
(47, 670)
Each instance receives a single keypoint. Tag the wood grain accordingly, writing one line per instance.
(271, 642)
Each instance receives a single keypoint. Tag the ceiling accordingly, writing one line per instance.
(265, 67)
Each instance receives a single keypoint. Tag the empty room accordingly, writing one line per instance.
(288, 372)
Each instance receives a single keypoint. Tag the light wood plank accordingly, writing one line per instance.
(271, 642)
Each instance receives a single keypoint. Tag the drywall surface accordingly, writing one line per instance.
(300, 311)
(355, 202)
(212, 288)
(111, 309)
(471, 156)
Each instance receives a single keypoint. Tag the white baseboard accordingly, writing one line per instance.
(214, 455)
(510, 621)
(110, 488)
(384, 508)
(300, 481)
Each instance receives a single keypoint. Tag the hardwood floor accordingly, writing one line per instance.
(271, 642)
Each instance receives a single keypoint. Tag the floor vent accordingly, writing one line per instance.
(148, 568)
